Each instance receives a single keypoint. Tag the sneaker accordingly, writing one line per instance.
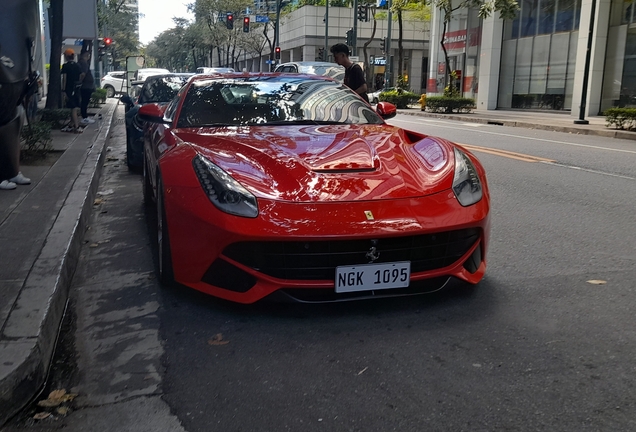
(6, 185)
(20, 179)
(67, 129)
(87, 121)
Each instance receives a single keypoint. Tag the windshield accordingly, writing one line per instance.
(162, 89)
(280, 100)
(332, 71)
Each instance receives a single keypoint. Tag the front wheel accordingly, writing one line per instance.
(166, 274)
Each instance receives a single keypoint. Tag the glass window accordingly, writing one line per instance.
(577, 15)
(528, 18)
(565, 16)
(546, 16)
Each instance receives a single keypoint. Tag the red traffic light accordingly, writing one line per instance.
(108, 41)
(277, 53)
(246, 24)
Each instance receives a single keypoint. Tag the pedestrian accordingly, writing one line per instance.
(354, 75)
(71, 83)
(87, 88)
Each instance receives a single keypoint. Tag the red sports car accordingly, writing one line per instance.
(293, 185)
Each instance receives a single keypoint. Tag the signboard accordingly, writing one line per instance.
(379, 61)
(261, 18)
(455, 40)
(270, 61)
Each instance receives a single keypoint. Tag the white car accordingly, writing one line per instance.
(374, 97)
(114, 83)
(212, 70)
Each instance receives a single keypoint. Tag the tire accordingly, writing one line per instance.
(166, 274)
(110, 91)
(146, 186)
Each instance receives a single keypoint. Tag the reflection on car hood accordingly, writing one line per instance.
(327, 163)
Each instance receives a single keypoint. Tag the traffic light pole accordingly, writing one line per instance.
(354, 38)
(326, 51)
(387, 48)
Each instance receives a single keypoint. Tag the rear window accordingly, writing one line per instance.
(161, 90)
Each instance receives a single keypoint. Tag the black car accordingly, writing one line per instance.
(155, 89)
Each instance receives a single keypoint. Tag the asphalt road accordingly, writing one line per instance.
(544, 343)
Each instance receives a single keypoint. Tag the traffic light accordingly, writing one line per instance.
(107, 41)
(321, 54)
(350, 37)
(383, 44)
(229, 21)
(277, 53)
(102, 46)
(363, 13)
(246, 24)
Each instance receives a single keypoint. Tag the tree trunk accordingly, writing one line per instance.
(368, 71)
(54, 96)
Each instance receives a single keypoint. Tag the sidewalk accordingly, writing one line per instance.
(42, 226)
(41, 229)
(544, 120)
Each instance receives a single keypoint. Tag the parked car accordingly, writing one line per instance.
(327, 69)
(155, 89)
(291, 185)
(212, 70)
(374, 97)
(142, 74)
(114, 83)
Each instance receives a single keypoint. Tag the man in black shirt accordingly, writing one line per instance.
(354, 75)
(71, 83)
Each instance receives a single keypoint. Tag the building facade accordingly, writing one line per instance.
(303, 34)
(538, 60)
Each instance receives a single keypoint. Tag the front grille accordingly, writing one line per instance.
(317, 260)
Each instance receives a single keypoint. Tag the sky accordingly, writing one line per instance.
(158, 16)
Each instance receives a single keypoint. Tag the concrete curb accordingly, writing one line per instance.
(33, 324)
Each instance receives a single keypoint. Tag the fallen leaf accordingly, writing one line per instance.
(362, 371)
(42, 416)
(106, 192)
(49, 403)
(62, 410)
(93, 245)
(218, 340)
(112, 159)
(57, 394)
(597, 282)
(103, 241)
(98, 201)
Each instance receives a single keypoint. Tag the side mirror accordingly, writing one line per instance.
(386, 110)
(152, 113)
(127, 100)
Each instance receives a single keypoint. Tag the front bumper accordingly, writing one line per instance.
(292, 247)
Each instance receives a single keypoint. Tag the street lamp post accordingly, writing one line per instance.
(586, 72)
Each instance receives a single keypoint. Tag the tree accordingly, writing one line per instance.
(118, 20)
(54, 95)
(507, 10)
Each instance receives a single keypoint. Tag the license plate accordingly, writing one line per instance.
(367, 277)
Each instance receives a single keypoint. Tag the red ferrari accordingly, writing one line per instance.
(292, 185)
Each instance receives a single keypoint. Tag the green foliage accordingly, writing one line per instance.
(402, 83)
(621, 118)
(121, 20)
(98, 97)
(400, 98)
(36, 140)
(56, 118)
(452, 90)
(447, 105)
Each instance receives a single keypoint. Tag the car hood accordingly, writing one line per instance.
(327, 163)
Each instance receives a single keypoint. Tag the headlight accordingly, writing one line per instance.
(466, 184)
(225, 193)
